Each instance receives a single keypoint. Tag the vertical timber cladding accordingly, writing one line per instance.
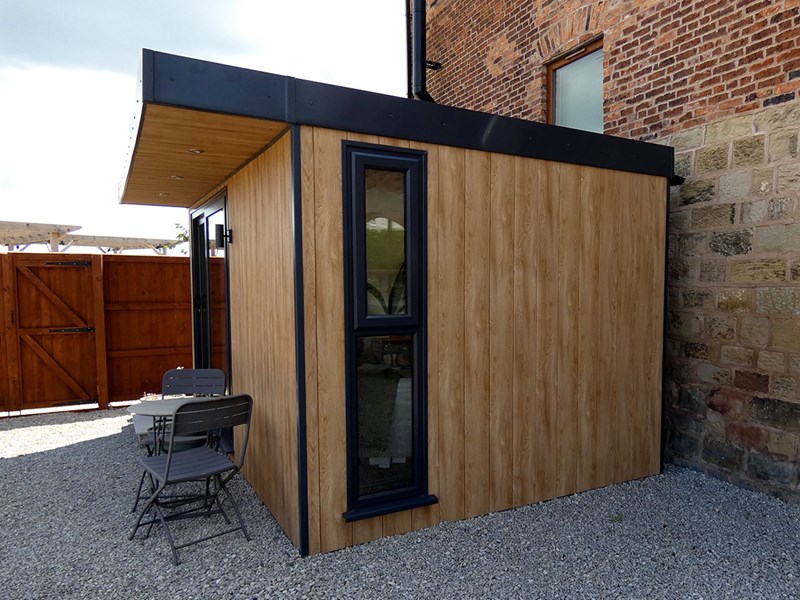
(261, 263)
(545, 307)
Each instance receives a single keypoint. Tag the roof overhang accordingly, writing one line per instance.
(231, 114)
(182, 154)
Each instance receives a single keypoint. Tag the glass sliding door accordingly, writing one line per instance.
(210, 286)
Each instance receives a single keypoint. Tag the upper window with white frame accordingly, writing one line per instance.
(575, 89)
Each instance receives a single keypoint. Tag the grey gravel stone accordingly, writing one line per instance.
(68, 480)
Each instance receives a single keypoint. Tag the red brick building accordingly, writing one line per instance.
(719, 81)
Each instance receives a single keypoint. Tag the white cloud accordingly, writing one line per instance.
(68, 86)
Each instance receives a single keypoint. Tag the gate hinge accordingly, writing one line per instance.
(69, 263)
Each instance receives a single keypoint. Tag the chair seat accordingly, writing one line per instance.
(195, 463)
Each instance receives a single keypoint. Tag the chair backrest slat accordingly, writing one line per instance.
(212, 413)
(194, 382)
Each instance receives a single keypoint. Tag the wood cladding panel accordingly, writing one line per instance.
(334, 532)
(262, 326)
(529, 423)
(501, 333)
(310, 324)
(427, 516)
(447, 318)
(477, 222)
(544, 332)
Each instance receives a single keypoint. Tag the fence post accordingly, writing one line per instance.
(100, 331)
(8, 319)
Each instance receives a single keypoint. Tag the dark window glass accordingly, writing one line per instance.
(385, 413)
(385, 199)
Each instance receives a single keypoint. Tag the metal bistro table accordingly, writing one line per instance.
(161, 412)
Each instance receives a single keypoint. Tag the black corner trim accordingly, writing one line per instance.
(664, 331)
(300, 346)
(358, 514)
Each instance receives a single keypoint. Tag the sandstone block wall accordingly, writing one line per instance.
(733, 319)
(719, 81)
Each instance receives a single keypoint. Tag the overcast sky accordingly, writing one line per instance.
(68, 73)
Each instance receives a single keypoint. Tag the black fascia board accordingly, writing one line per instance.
(367, 112)
(202, 85)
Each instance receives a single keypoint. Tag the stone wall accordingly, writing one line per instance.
(733, 320)
(719, 81)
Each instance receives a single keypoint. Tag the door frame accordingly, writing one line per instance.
(200, 236)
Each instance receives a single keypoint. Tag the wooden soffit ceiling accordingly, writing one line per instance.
(182, 154)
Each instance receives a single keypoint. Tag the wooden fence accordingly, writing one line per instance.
(90, 328)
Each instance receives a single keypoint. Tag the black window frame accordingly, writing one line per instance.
(356, 159)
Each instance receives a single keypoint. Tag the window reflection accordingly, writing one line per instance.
(385, 415)
(579, 93)
(385, 242)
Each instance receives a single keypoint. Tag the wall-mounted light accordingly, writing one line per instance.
(176, 177)
(221, 237)
(196, 151)
(163, 194)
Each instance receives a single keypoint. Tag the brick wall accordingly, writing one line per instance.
(669, 65)
(719, 81)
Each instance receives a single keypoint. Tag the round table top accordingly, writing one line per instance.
(159, 408)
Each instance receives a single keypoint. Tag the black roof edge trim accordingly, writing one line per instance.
(147, 80)
(202, 85)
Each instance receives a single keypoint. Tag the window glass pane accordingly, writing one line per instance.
(385, 423)
(218, 309)
(386, 241)
(579, 93)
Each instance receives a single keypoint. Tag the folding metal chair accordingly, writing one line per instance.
(187, 382)
(203, 464)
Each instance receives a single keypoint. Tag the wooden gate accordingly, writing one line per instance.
(53, 333)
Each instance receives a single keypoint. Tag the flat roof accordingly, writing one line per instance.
(201, 121)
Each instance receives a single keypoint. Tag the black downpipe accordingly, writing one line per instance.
(418, 60)
(409, 52)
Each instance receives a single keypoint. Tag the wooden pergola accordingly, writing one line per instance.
(18, 236)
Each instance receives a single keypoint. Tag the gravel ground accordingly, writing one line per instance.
(69, 478)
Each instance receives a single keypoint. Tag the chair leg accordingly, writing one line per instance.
(235, 506)
(152, 502)
(139, 492)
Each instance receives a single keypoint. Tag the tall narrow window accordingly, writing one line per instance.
(575, 89)
(385, 320)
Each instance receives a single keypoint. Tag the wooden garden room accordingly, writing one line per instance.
(439, 313)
